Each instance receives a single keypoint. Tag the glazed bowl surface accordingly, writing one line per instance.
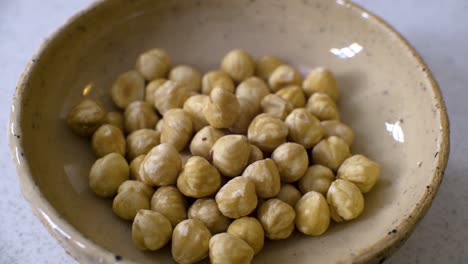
(388, 97)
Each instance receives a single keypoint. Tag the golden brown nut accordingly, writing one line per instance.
(247, 113)
(293, 94)
(151, 89)
(204, 140)
(153, 64)
(187, 75)
(190, 241)
(289, 194)
(361, 171)
(267, 132)
(159, 125)
(223, 108)
(250, 230)
(170, 95)
(255, 154)
(139, 115)
(265, 175)
(276, 106)
(107, 139)
(317, 178)
(292, 161)
(206, 210)
(177, 129)
(282, 76)
(132, 196)
(194, 107)
(331, 152)
(345, 199)
(107, 173)
(323, 107)
(168, 201)
(277, 218)
(303, 127)
(238, 64)
(230, 154)
(312, 214)
(129, 87)
(336, 128)
(266, 65)
(141, 141)
(198, 178)
(215, 79)
(85, 117)
(321, 80)
(115, 119)
(161, 166)
(253, 89)
(226, 248)
(151, 230)
(237, 198)
(135, 168)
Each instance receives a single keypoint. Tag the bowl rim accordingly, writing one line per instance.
(85, 250)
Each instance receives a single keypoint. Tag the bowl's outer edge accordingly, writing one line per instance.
(85, 251)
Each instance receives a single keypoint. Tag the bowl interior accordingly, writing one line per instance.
(387, 98)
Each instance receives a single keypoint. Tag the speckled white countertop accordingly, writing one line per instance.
(439, 31)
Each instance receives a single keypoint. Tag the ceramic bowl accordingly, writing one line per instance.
(388, 97)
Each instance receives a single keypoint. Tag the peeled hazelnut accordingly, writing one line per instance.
(206, 210)
(190, 241)
(247, 113)
(255, 154)
(168, 201)
(151, 89)
(85, 117)
(312, 214)
(198, 178)
(266, 65)
(215, 79)
(187, 75)
(141, 141)
(170, 94)
(194, 107)
(115, 119)
(204, 140)
(107, 173)
(151, 230)
(321, 80)
(317, 178)
(227, 248)
(230, 154)
(237, 198)
(331, 152)
(345, 199)
(250, 230)
(265, 175)
(277, 218)
(282, 76)
(336, 128)
(292, 161)
(128, 87)
(303, 127)
(238, 64)
(253, 89)
(289, 194)
(153, 64)
(276, 106)
(135, 168)
(177, 129)
(361, 171)
(132, 196)
(108, 139)
(161, 166)
(293, 94)
(139, 115)
(159, 125)
(267, 132)
(323, 107)
(223, 108)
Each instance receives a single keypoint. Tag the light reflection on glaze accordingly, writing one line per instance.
(365, 15)
(53, 225)
(395, 131)
(347, 52)
(87, 89)
(17, 155)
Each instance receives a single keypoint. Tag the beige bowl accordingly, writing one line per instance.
(388, 96)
